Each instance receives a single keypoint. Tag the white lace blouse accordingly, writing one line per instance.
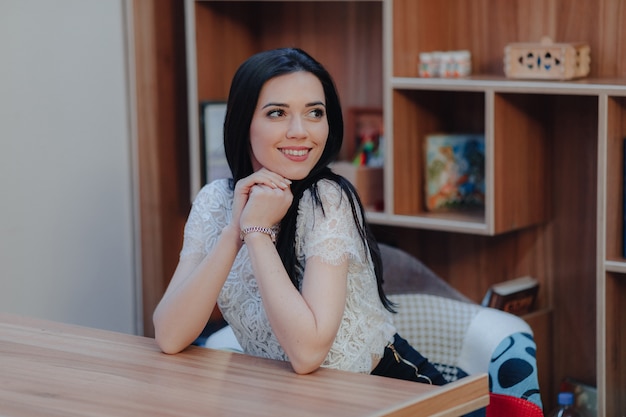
(331, 234)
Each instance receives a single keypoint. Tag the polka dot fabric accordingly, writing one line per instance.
(513, 368)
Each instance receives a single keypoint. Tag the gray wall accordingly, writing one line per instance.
(67, 238)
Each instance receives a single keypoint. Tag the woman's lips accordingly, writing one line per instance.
(296, 155)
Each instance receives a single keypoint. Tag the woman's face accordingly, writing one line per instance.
(289, 127)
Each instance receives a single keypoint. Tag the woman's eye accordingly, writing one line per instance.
(317, 113)
(275, 113)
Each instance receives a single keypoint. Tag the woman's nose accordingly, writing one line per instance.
(296, 128)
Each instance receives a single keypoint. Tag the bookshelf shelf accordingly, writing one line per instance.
(587, 86)
(615, 266)
(453, 222)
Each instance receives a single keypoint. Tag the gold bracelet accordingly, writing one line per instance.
(253, 229)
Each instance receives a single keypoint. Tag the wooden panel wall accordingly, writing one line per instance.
(485, 27)
(162, 143)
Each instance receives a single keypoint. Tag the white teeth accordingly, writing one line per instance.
(294, 152)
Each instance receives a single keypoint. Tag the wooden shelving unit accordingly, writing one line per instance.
(554, 171)
(554, 149)
(611, 293)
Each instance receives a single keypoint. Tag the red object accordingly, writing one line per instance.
(501, 405)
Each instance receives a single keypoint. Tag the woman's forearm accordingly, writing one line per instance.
(304, 324)
(192, 294)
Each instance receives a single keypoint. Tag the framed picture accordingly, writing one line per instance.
(213, 163)
(364, 135)
(454, 171)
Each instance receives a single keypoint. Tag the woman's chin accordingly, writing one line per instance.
(295, 175)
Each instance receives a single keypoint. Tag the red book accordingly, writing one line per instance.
(516, 296)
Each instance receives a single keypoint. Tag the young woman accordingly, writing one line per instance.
(282, 247)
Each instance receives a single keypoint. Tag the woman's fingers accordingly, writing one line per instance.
(266, 206)
(271, 179)
(262, 179)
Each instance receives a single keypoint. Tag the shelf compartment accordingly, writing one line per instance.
(529, 147)
(350, 46)
(484, 29)
(616, 135)
(445, 25)
(523, 135)
(418, 113)
(518, 149)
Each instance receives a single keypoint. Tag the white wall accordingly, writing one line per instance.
(67, 238)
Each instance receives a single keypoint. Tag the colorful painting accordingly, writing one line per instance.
(455, 171)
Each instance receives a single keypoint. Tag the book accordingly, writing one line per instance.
(454, 171)
(516, 296)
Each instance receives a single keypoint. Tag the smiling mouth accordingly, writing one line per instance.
(295, 152)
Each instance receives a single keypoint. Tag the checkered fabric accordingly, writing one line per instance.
(436, 327)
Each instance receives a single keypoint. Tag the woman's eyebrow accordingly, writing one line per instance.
(311, 104)
(272, 104)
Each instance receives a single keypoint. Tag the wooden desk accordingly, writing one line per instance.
(54, 369)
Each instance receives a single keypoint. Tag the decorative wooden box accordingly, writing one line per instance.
(547, 60)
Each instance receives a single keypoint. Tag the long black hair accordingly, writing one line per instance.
(242, 101)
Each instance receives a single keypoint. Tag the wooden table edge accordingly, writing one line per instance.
(428, 404)
(457, 398)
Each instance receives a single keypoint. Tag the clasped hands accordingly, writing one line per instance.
(261, 199)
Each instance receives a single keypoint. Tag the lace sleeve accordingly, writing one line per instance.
(329, 231)
(209, 214)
